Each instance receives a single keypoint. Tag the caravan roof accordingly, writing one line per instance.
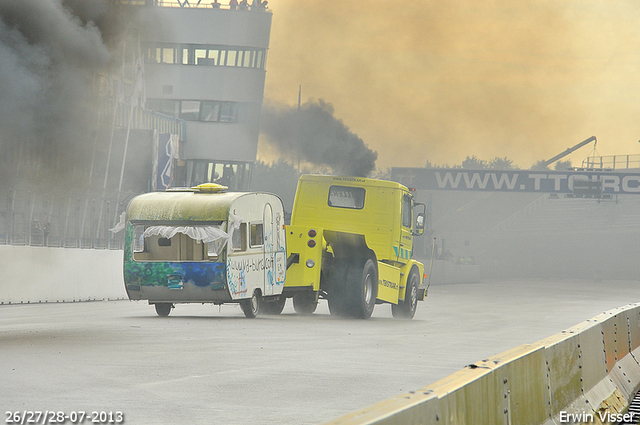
(187, 205)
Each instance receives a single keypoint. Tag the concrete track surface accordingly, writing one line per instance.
(211, 365)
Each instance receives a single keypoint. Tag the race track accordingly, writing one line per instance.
(211, 365)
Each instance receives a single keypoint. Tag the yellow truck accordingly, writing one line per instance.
(351, 242)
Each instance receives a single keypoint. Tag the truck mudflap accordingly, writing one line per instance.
(388, 283)
(422, 294)
(406, 269)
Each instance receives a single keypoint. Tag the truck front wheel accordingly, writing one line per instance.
(305, 303)
(407, 309)
(363, 285)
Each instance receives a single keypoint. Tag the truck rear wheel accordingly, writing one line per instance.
(406, 309)
(274, 307)
(251, 307)
(337, 295)
(305, 303)
(338, 306)
(362, 283)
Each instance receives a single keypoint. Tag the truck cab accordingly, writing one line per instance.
(351, 242)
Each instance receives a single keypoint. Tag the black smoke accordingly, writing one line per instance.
(51, 53)
(313, 134)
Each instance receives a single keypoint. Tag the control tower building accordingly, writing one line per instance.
(206, 65)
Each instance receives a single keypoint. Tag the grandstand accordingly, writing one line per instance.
(527, 235)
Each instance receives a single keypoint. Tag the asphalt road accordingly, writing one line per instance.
(211, 365)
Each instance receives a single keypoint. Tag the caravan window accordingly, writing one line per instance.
(171, 242)
(138, 239)
(256, 237)
(240, 238)
(212, 251)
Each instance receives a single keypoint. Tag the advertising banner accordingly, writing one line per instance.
(544, 181)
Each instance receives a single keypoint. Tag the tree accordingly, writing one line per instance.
(563, 165)
(502, 164)
(539, 165)
(431, 165)
(382, 174)
(474, 163)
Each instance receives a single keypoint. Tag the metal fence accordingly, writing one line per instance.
(614, 162)
(141, 119)
(72, 220)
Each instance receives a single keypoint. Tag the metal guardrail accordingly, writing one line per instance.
(80, 220)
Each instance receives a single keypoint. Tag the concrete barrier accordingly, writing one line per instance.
(581, 375)
(38, 274)
(445, 271)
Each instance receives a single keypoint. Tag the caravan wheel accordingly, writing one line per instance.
(163, 309)
(251, 307)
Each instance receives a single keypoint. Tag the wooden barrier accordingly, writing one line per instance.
(585, 374)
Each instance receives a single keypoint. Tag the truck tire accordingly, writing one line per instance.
(406, 308)
(274, 307)
(305, 303)
(251, 307)
(338, 306)
(163, 309)
(362, 282)
(337, 294)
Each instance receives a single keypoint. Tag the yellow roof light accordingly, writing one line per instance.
(209, 188)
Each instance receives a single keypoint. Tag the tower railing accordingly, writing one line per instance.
(612, 162)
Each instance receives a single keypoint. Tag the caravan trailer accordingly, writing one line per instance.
(206, 245)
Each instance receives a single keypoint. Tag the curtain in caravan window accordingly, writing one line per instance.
(213, 235)
(206, 234)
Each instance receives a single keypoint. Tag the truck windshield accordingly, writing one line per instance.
(406, 211)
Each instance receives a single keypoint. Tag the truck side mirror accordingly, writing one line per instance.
(419, 227)
(420, 213)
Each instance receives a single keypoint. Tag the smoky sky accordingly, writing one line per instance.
(313, 134)
(427, 80)
(50, 54)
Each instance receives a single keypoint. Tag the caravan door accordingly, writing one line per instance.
(275, 257)
(269, 248)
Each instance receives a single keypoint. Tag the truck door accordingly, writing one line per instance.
(269, 248)
(406, 237)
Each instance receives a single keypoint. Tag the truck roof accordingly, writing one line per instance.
(185, 205)
(358, 181)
